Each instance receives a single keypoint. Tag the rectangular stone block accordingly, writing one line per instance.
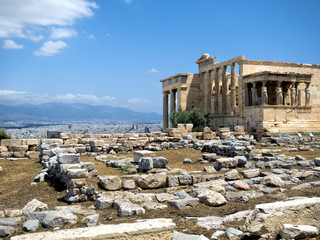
(140, 154)
(267, 219)
(96, 143)
(226, 163)
(52, 141)
(19, 154)
(33, 141)
(128, 184)
(110, 183)
(173, 181)
(3, 149)
(12, 142)
(64, 167)
(6, 154)
(76, 183)
(32, 154)
(77, 173)
(223, 130)
(239, 128)
(87, 165)
(65, 135)
(20, 148)
(104, 202)
(198, 178)
(183, 204)
(69, 158)
(208, 136)
(160, 229)
(174, 132)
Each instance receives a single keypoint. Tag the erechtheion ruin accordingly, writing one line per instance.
(259, 95)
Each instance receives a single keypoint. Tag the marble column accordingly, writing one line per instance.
(209, 91)
(179, 98)
(165, 111)
(172, 100)
(205, 91)
(217, 89)
(233, 89)
(307, 94)
(224, 90)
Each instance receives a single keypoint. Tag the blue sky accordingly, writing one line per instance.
(114, 52)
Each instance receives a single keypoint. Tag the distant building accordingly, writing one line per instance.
(146, 130)
(53, 134)
(259, 95)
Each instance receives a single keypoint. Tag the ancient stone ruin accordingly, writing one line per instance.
(237, 169)
(259, 95)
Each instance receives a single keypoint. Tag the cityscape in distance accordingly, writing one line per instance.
(33, 121)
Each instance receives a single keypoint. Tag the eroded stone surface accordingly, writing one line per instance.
(267, 219)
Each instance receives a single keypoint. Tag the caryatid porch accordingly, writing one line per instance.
(274, 88)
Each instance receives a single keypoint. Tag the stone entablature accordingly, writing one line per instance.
(255, 94)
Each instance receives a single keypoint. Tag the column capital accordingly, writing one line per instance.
(264, 82)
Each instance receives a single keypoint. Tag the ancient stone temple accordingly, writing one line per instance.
(259, 95)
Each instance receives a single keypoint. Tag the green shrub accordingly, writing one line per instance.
(3, 134)
(181, 116)
(197, 118)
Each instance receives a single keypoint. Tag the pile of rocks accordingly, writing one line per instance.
(36, 213)
(67, 168)
(230, 147)
(19, 148)
(222, 184)
(91, 144)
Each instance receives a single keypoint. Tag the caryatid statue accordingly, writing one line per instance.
(279, 95)
(307, 92)
(264, 95)
(293, 95)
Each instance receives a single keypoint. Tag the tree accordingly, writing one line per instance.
(197, 118)
(3, 134)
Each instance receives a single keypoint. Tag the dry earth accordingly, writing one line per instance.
(16, 191)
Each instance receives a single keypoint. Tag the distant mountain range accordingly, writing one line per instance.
(73, 112)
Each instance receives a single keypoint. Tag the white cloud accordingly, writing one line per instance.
(58, 33)
(153, 70)
(128, 1)
(21, 18)
(15, 97)
(5, 92)
(10, 44)
(108, 98)
(138, 101)
(91, 36)
(51, 48)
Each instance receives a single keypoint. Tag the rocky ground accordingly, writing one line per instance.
(228, 191)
